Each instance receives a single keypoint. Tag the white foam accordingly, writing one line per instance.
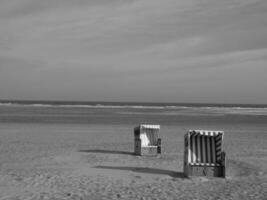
(192, 109)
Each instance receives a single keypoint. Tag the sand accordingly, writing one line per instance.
(66, 161)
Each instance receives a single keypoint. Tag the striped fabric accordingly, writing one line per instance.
(148, 134)
(149, 137)
(204, 147)
(150, 126)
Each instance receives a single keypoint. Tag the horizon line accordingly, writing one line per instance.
(130, 102)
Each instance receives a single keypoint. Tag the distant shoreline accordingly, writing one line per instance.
(126, 104)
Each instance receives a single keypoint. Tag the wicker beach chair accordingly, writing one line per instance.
(203, 155)
(146, 140)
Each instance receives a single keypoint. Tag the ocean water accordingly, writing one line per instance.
(58, 112)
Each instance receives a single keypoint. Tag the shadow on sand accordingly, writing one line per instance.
(106, 151)
(147, 170)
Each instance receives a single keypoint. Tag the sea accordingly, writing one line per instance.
(129, 113)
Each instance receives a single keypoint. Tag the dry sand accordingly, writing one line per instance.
(39, 161)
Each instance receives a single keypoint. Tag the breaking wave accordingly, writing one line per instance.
(214, 108)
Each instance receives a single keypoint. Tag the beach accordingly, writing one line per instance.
(86, 152)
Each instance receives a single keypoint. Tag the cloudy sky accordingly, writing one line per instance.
(134, 50)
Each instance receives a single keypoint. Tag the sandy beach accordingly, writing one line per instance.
(96, 161)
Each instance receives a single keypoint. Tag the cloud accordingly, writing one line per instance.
(15, 64)
(132, 44)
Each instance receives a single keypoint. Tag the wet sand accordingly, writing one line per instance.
(61, 161)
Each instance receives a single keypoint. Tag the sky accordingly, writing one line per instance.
(205, 51)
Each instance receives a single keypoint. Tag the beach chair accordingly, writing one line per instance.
(146, 140)
(203, 155)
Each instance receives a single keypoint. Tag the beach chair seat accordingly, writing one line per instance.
(203, 153)
(146, 139)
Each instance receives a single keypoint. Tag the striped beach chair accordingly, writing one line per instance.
(146, 139)
(203, 153)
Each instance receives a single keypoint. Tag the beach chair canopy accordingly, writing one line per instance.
(148, 134)
(204, 147)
